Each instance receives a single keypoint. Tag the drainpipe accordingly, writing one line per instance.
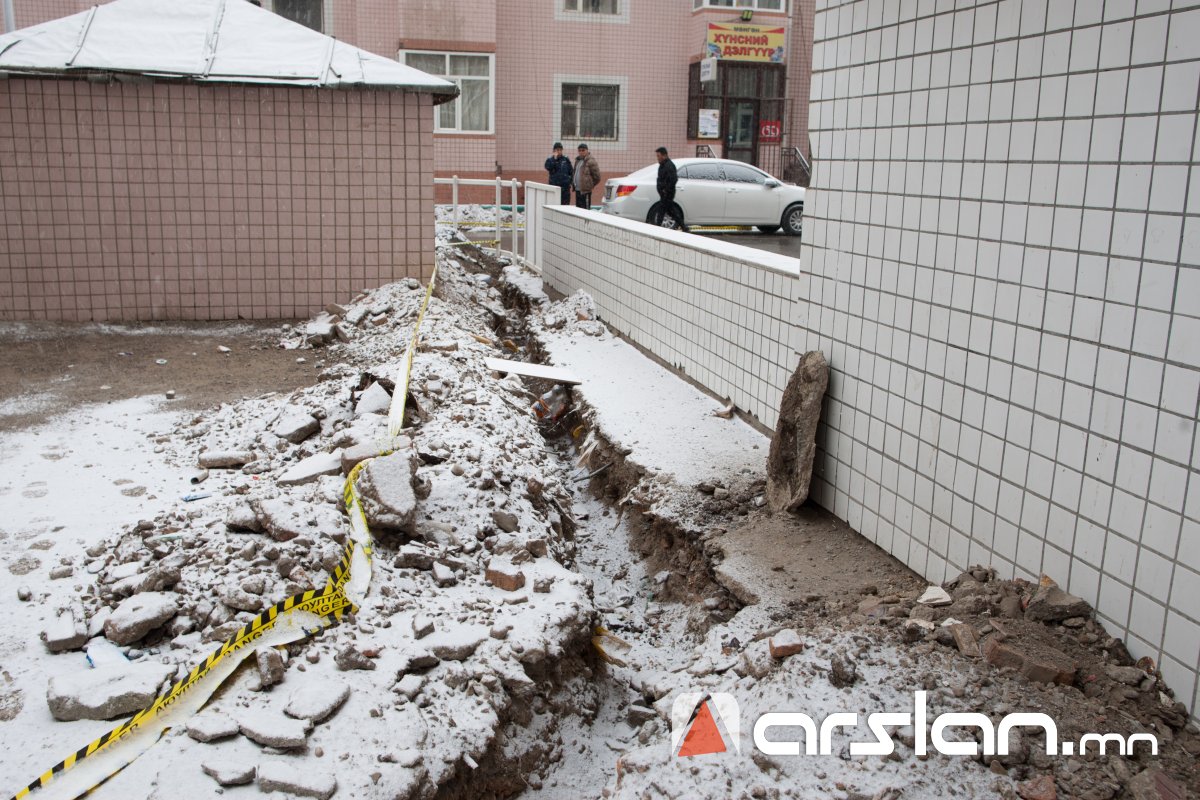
(10, 23)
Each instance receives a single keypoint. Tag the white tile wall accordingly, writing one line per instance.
(722, 313)
(1029, 398)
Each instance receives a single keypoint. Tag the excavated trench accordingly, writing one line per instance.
(654, 591)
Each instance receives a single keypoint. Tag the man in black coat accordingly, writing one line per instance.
(668, 176)
(559, 167)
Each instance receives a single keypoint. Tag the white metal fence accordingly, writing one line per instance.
(500, 185)
(537, 197)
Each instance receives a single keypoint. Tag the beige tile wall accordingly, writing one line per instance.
(130, 201)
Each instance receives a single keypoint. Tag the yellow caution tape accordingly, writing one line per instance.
(396, 410)
(475, 242)
(287, 621)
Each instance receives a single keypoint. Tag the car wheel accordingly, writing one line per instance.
(767, 228)
(793, 220)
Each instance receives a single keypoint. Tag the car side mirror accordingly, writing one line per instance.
(771, 183)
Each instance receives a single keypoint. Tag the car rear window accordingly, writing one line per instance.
(702, 172)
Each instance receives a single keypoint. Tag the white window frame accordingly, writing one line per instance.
(563, 14)
(491, 57)
(595, 145)
(753, 5)
(326, 14)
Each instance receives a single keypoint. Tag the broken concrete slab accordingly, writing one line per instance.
(225, 459)
(296, 425)
(285, 519)
(318, 701)
(790, 460)
(459, 643)
(283, 776)
(211, 726)
(1036, 661)
(273, 730)
(374, 400)
(229, 773)
(67, 631)
(105, 692)
(1051, 604)
(138, 615)
(311, 468)
(386, 491)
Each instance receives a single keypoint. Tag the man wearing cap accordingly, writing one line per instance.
(587, 175)
(559, 167)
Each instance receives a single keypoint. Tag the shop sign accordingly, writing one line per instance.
(739, 41)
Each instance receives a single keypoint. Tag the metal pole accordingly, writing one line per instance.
(515, 240)
(454, 199)
(10, 20)
(499, 244)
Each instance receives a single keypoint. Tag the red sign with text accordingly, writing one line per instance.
(770, 130)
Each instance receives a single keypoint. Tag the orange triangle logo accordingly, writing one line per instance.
(702, 737)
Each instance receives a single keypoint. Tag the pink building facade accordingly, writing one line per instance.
(618, 74)
(183, 180)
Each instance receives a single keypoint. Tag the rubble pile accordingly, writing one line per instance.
(471, 604)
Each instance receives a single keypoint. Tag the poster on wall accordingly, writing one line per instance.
(740, 41)
(710, 123)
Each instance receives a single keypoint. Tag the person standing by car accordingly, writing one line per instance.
(668, 176)
(587, 175)
(559, 167)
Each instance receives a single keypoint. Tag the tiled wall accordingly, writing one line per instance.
(720, 312)
(180, 201)
(1003, 268)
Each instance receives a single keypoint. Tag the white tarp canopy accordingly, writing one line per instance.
(224, 41)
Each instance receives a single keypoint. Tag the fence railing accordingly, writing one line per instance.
(537, 197)
(513, 185)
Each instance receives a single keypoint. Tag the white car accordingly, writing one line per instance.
(711, 191)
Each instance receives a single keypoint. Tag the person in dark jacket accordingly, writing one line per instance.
(559, 167)
(668, 176)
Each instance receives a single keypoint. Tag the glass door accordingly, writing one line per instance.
(741, 131)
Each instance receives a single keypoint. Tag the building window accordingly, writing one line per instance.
(471, 111)
(760, 5)
(309, 13)
(592, 6)
(591, 111)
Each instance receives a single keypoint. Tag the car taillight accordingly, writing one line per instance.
(624, 190)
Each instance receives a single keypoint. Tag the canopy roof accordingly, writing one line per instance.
(219, 41)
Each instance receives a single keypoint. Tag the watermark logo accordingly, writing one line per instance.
(705, 724)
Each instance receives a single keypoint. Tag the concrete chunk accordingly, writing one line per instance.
(503, 574)
(282, 776)
(272, 730)
(211, 726)
(311, 468)
(385, 488)
(229, 773)
(317, 702)
(138, 615)
(1051, 604)
(296, 425)
(785, 643)
(106, 692)
(225, 459)
(790, 460)
(68, 630)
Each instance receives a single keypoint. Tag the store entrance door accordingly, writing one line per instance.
(741, 136)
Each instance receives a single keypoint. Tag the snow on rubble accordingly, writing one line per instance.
(470, 605)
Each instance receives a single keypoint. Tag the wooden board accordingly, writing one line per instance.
(556, 374)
